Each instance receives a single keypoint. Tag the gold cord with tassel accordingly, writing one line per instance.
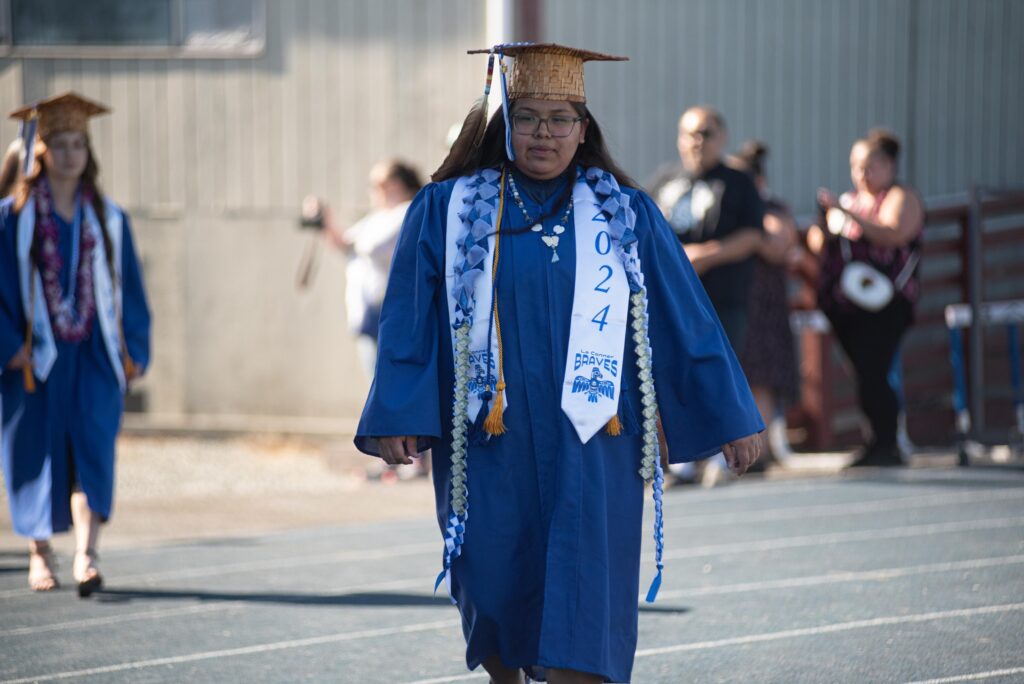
(26, 371)
(614, 426)
(495, 423)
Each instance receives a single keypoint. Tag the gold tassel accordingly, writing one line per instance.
(26, 372)
(495, 423)
(129, 368)
(614, 426)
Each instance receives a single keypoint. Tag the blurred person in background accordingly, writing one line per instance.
(531, 282)
(368, 246)
(718, 216)
(74, 331)
(768, 356)
(869, 242)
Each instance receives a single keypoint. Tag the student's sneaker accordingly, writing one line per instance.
(717, 473)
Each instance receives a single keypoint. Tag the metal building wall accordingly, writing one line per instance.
(808, 77)
(212, 158)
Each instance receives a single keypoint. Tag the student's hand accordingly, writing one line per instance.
(398, 450)
(740, 454)
(20, 360)
(135, 371)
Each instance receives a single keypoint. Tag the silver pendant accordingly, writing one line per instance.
(537, 228)
(559, 229)
(550, 240)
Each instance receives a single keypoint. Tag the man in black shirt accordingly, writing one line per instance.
(718, 215)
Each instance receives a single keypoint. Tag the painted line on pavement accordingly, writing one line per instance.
(114, 619)
(245, 650)
(977, 676)
(880, 575)
(211, 606)
(804, 541)
(795, 633)
(837, 510)
(832, 629)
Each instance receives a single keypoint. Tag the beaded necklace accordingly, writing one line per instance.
(549, 239)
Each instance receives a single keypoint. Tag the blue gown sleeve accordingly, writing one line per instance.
(703, 396)
(134, 308)
(12, 316)
(404, 397)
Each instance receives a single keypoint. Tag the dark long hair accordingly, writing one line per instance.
(89, 175)
(467, 155)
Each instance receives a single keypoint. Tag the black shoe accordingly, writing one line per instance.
(877, 456)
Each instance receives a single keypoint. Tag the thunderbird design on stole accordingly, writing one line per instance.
(594, 386)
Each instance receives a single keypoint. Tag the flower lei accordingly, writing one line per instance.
(621, 220)
(69, 324)
(477, 216)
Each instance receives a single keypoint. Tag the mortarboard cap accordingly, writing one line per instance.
(541, 71)
(65, 112)
(548, 71)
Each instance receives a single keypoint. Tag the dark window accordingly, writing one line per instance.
(158, 28)
(96, 22)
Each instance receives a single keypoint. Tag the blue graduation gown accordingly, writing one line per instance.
(549, 571)
(65, 431)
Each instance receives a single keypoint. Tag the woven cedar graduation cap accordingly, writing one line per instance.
(541, 71)
(65, 112)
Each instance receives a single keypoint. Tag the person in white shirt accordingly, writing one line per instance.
(369, 245)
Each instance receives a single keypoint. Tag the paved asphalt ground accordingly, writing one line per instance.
(901, 575)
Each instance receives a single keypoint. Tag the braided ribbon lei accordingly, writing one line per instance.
(479, 212)
(621, 220)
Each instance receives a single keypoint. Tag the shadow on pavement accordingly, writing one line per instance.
(664, 610)
(124, 595)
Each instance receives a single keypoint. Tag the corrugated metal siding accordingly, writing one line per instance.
(969, 95)
(808, 77)
(213, 158)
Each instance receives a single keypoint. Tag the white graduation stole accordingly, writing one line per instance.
(483, 359)
(593, 370)
(107, 296)
(597, 335)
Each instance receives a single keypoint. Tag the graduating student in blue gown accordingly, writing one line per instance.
(548, 571)
(61, 417)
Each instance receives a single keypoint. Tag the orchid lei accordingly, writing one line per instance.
(70, 324)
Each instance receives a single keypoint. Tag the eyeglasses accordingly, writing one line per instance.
(559, 126)
(702, 133)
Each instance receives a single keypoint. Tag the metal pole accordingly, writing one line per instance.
(975, 266)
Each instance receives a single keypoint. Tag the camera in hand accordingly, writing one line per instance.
(312, 215)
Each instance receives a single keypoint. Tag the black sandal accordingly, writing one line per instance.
(92, 582)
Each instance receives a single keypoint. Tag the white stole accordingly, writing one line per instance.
(593, 370)
(107, 292)
(597, 335)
